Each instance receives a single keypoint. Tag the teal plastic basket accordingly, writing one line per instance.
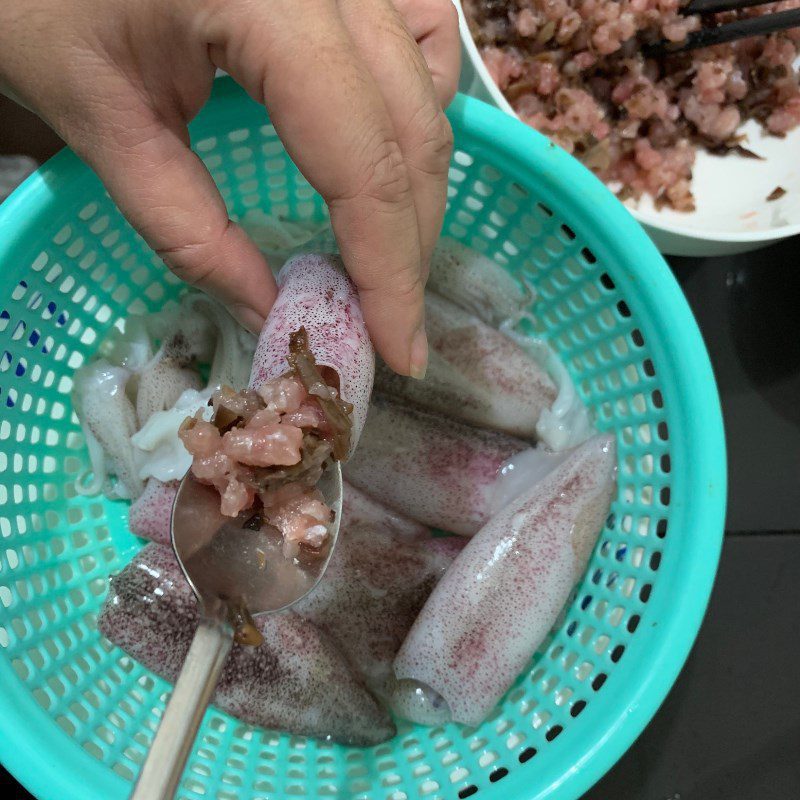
(77, 715)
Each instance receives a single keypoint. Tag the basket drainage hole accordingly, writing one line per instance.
(616, 653)
(598, 682)
(633, 623)
(607, 282)
(591, 258)
(527, 754)
(553, 732)
(658, 399)
(467, 791)
(498, 774)
(623, 309)
(655, 561)
(577, 708)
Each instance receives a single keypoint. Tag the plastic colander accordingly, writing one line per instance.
(77, 715)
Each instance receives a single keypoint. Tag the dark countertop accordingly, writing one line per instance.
(730, 727)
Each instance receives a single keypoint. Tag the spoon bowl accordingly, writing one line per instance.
(240, 560)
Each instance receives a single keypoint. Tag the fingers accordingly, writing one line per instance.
(434, 26)
(423, 132)
(167, 194)
(331, 115)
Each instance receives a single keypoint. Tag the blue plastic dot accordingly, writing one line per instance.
(34, 338)
(20, 371)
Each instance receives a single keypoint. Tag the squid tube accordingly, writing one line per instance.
(296, 681)
(373, 589)
(150, 514)
(475, 374)
(108, 420)
(505, 590)
(358, 508)
(437, 471)
(315, 293)
(476, 283)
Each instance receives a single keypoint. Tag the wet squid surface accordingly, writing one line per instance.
(410, 620)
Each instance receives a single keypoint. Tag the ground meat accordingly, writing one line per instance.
(299, 513)
(573, 69)
(268, 448)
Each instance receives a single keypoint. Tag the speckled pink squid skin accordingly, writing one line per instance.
(505, 590)
(358, 508)
(373, 589)
(316, 293)
(297, 681)
(475, 374)
(151, 513)
(437, 471)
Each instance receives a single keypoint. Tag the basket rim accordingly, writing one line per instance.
(66, 773)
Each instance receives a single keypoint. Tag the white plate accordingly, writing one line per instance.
(732, 214)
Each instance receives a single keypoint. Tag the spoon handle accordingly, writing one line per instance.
(176, 733)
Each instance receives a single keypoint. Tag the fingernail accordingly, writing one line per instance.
(419, 354)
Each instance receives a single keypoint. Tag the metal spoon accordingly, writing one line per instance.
(230, 564)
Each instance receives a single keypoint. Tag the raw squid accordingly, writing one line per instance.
(476, 283)
(296, 681)
(109, 420)
(161, 385)
(475, 374)
(373, 590)
(438, 471)
(500, 598)
(310, 386)
(126, 399)
(150, 515)
(566, 423)
(157, 447)
(316, 294)
(130, 346)
(436, 628)
(358, 508)
(233, 346)
(279, 238)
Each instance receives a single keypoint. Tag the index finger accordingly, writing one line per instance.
(330, 114)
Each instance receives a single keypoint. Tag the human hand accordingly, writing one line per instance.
(355, 89)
